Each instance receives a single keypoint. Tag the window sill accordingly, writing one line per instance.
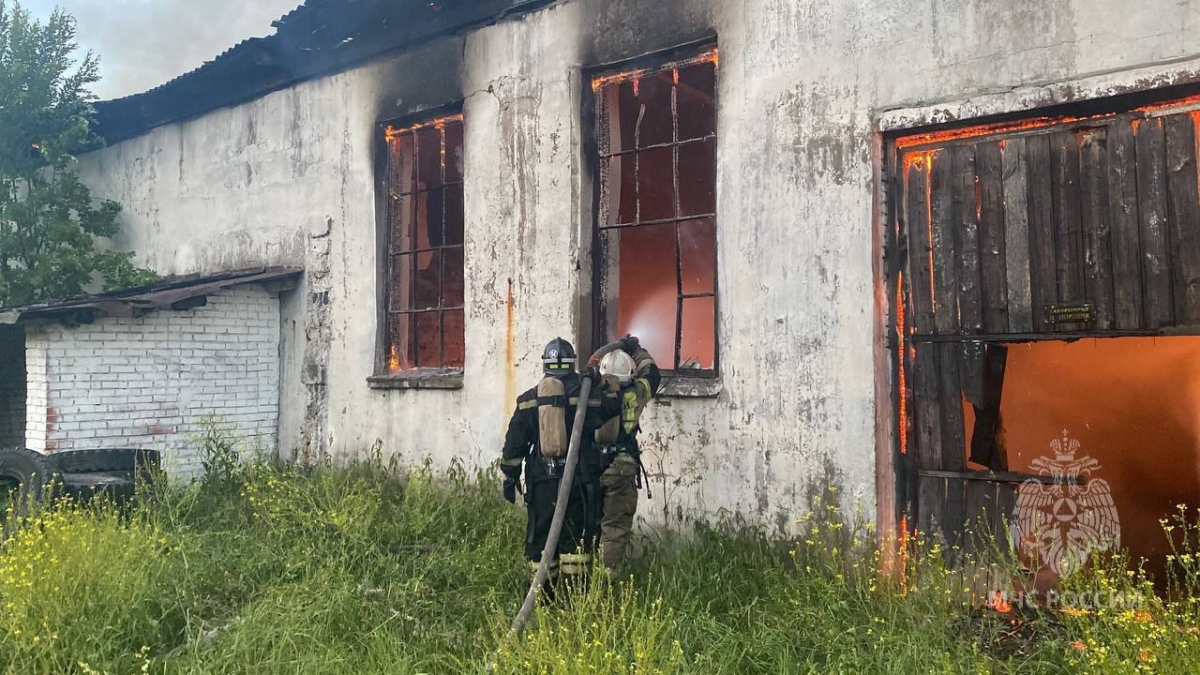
(419, 379)
(685, 386)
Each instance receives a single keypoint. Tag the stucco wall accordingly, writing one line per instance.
(149, 382)
(288, 179)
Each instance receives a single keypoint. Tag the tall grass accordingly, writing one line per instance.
(369, 570)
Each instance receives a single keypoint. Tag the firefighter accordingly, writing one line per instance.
(635, 373)
(538, 437)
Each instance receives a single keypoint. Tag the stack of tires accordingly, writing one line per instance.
(28, 475)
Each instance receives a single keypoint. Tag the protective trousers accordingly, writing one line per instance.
(620, 483)
(579, 533)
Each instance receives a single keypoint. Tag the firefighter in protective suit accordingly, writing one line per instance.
(635, 373)
(538, 437)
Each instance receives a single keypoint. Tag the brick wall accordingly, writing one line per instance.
(12, 386)
(147, 382)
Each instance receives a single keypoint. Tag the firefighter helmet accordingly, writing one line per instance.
(559, 358)
(618, 364)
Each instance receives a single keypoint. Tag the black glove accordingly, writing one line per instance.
(630, 345)
(510, 490)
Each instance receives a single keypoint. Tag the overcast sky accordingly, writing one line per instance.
(143, 43)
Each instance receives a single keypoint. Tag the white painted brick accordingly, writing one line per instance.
(147, 382)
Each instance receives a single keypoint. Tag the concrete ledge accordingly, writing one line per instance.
(419, 379)
(685, 386)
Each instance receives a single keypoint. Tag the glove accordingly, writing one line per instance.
(630, 345)
(593, 374)
(510, 491)
(610, 383)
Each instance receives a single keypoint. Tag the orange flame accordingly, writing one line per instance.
(999, 604)
(1035, 123)
(1167, 105)
(394, 360)
(1032, 123)
(392, 133)
(710, 56)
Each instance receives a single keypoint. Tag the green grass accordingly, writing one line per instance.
(364, 570)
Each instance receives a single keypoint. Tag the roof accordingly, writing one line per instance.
(317, 38)
(171, 293)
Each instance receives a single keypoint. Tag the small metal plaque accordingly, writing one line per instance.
(1060, 314)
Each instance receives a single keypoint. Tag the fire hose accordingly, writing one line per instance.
(564, 493)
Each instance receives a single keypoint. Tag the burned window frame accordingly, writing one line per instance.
(387, 374)
(595, 79)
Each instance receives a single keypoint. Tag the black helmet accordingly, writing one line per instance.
(559, 358)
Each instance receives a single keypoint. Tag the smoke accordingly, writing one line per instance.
(144, 43)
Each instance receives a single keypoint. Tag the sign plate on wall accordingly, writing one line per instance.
(1060, 314)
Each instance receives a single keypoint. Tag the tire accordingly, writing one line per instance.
(119, 485)
(105, 461)
(27, 471)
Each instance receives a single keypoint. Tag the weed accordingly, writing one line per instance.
(366, 569)
(219, 456)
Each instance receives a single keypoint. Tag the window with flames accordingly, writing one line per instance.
(425, 274)
(657, 244)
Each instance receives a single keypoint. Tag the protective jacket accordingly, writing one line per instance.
(623, 472)
(523, 446)
(621, 433)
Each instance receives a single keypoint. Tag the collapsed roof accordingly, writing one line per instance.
(317, 38)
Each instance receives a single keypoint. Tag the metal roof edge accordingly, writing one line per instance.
(131, 116)
(163, 295)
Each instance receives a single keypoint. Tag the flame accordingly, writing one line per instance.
(1040, 122)
(999, 604)
(710, 56)
(993, 128)
(393, 133)
(914, 160)
(904, 554)
(394, 360)
(1167, 105)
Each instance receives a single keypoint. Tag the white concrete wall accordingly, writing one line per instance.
(288, 179)
(148, 382)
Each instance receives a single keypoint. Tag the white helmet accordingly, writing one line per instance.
(618, 364)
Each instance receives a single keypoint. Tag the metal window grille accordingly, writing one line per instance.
(656, 146)
(426, 271)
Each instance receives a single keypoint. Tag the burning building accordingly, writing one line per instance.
(894, 248)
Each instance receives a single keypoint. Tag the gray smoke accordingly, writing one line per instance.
(144, 43)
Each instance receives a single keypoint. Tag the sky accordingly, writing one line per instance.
(144, 43)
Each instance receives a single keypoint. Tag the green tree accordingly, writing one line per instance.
(49, 225)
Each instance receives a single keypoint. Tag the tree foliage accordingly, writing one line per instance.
(49, 224)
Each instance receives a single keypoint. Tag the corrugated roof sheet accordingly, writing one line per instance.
(317, 38)
(175, 292)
